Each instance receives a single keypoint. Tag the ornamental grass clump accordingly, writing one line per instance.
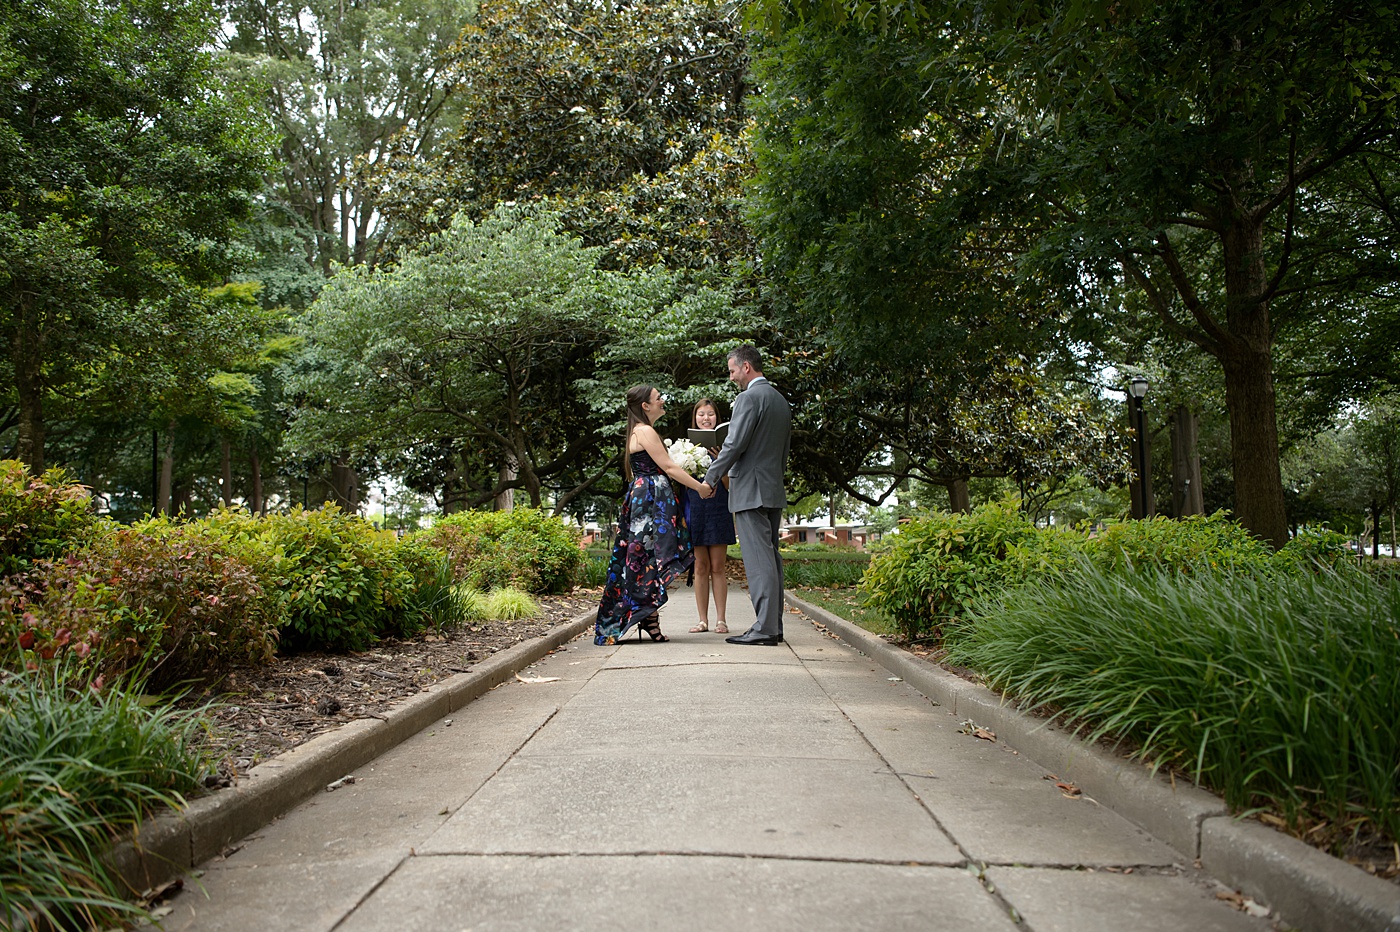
(510, 605)
(80, 764)
(1278, 691)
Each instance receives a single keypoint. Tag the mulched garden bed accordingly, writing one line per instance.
(259, 712)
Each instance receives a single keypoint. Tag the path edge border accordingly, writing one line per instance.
(1302, 885)
(162, 848)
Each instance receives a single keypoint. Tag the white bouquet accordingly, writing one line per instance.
(689, 456)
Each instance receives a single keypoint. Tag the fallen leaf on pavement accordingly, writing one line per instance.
(537, 679)
(1069, 790)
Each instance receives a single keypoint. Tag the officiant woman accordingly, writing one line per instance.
(711, 532)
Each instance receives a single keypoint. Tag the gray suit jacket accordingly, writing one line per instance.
(755, 451)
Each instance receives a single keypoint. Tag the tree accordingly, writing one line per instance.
(488, 359)
(626, 118)
(124, 167)
(345, 82)
(869, 433)
(1232, 161)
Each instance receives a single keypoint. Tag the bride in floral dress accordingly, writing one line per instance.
(653, 543)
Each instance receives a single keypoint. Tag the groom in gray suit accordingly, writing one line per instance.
(755, 456)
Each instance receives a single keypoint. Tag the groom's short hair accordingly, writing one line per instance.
(747, 353)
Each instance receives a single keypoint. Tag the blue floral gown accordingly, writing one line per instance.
(652, 549)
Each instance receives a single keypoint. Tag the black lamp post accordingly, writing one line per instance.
(1137, 388)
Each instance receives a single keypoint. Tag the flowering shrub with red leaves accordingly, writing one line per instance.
(41, 517)
(172, 605)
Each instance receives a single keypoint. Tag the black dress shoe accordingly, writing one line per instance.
(751, 637)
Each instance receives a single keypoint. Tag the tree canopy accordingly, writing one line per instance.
(125, 166)
(1234, 163)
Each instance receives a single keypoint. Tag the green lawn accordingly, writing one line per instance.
(848, 604)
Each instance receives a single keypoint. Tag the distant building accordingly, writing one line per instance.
(857, 535)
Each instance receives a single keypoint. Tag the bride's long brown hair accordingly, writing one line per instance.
(637, 395)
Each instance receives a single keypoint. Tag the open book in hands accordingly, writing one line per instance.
(709, 439)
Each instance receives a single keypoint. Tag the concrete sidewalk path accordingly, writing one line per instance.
(702, 785)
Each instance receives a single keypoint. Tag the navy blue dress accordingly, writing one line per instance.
(709, 518)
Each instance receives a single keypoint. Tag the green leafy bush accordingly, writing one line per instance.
(1193, 544)
(1276, 689)
(940, 564)
(41, 517)
(595, 569)
(80, 764)
(336, 575)
(525, 548)
(159, 597)
(1320, 549)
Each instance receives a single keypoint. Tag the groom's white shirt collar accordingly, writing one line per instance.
(757, 378)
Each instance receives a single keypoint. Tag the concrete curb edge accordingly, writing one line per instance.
(166, 846)
(1304, 886)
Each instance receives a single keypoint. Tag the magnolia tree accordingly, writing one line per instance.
(494, 358)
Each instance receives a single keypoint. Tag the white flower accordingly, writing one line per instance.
(689, 456)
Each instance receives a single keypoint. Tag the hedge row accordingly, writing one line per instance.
(938, 566)
(179, 599)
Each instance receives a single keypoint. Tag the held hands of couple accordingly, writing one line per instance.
(705, 491)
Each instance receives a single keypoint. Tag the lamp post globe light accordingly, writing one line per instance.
(1137, 388)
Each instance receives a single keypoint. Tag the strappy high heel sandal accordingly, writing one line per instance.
(653, 629)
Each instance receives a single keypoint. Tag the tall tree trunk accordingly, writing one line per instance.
(1249, 396)
(167, 470)
(180, 497)
(1247, 360)
(505, 501)
(1187, 495)
(345, 485)
(255, 500)
(27, 357)
(1375, 530)
(959, 499)
(226, 475)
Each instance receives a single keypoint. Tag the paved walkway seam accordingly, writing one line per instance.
(1304, 886)
(164, 847)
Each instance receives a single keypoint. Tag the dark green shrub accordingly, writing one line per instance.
(525, 548)
(158, 597)
(1199, 543)
(1319, 549)
(940, 564)
(595, 569)
(41, 517)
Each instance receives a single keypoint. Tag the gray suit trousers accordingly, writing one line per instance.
(758, 530)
